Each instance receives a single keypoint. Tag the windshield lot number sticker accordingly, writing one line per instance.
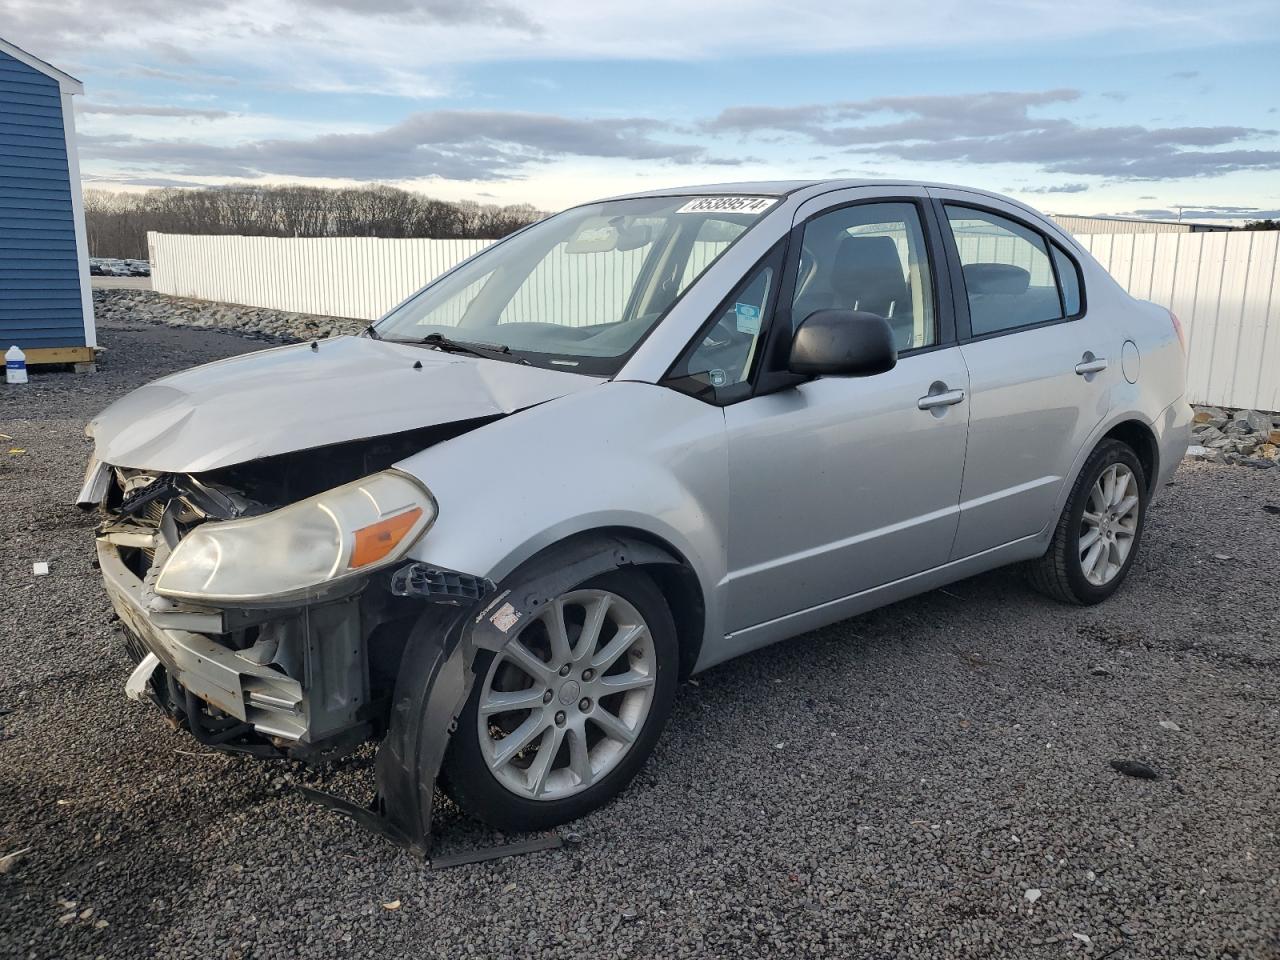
(750, 205)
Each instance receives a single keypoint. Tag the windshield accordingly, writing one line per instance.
(579, 290)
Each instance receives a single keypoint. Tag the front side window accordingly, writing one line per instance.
(1008, 276)
(723, 356)
(871, 258)
(579, 290)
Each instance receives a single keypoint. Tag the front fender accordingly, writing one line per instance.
(436, 673)
(620, 456)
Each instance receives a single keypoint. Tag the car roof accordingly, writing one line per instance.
(782, 188)
(803, 190)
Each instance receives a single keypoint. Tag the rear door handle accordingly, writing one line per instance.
(947, 398)
(1091, 366)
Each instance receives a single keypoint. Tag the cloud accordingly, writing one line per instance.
(936, 117)
(1059, 188)
(170, 52)
(997, 127)
(285, 36)
(444, 12)
(1207, 212)
(454, 144)
(1000, 127)
(91, 182)
(192, 78)
(140, 110)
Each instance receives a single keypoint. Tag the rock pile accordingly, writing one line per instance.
(146, 306)
(1250, 437)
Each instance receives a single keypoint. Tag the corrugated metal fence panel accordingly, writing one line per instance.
(359, 277)
(1225, 288)
(40, 302)
(1097, 225)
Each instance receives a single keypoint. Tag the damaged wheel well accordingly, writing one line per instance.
(436, 668)
(668, 568)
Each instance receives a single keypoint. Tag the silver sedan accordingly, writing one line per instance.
(620, 446)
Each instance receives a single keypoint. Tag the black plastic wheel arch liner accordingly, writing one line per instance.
(436, 674)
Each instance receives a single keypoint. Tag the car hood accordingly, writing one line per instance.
(304, 396)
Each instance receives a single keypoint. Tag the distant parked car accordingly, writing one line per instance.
(625, 444)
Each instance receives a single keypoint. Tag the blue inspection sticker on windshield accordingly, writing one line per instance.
(748, 318)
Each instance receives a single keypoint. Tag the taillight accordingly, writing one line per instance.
(1177, 328)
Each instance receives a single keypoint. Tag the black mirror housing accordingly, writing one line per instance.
(842, 343)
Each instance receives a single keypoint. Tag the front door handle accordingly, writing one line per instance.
(947, 398)
(1091, 365)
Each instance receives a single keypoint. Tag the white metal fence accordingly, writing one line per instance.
(358, 277)
(1225, 287)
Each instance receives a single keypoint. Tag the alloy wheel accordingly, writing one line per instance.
(1109, 524)
(563, 702)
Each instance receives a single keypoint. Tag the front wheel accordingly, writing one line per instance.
(561, 719)
(1099, 531)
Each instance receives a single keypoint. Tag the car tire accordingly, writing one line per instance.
(501, 796)
(1083, 564)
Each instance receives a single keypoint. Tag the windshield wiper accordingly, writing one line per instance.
(483, 350)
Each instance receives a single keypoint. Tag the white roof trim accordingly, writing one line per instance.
(66, 82)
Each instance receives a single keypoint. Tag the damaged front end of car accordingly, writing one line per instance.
(256, 542)
(268, 608)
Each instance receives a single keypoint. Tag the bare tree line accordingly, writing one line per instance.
(117, 223)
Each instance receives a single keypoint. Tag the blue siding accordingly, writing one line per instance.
(39, 274)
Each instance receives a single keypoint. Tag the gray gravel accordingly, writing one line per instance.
(894, 786)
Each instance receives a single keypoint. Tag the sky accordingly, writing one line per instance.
(1087, 107)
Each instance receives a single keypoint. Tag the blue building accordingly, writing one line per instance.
(46, 306)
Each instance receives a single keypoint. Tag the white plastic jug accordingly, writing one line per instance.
(15, 365)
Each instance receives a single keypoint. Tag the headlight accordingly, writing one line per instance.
(288, 553)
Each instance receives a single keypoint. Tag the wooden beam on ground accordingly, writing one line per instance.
(39, 356)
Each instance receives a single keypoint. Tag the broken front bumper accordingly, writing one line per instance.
(301, 683)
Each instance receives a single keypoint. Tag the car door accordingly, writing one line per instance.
(839, 484)
(1040, 368)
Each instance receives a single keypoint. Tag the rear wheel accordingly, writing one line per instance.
(561, 719)
(1100, 529)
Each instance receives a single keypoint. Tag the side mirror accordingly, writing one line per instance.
(842, 343)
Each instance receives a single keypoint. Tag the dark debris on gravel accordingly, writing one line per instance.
(930, 780)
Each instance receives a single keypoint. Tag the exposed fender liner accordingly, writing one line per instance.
(436, 675)
(434, 682)
(551, 573)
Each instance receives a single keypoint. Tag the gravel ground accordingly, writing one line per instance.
(898, 785)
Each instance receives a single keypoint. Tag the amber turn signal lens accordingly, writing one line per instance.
(375, 541)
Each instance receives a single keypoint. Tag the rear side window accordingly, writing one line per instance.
(1008, 275)
(1068, 279)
